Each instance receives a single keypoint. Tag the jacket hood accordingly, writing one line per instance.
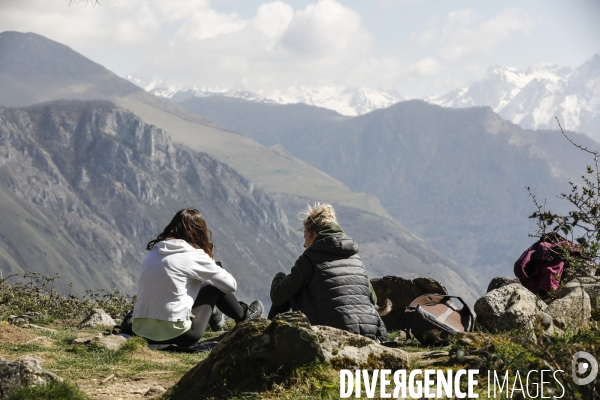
(171, 246)
(339, 245)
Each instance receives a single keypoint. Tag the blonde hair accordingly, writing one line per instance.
(313, 218)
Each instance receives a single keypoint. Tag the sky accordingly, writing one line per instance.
(415, 47)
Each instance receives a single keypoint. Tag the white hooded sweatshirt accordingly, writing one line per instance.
(171, 277)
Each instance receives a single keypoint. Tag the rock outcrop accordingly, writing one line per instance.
(402, 292)
(511, 306)
(94, 180)
(26, 371)
(273, 348)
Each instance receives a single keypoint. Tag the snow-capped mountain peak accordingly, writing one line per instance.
(533, 97)
(346, 101)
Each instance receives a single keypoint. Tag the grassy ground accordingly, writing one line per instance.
(92, 372)
(134, 368)
(128, 373)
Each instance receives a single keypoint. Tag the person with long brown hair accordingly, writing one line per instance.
(181, 287)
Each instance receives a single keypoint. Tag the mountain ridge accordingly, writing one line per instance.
(532, 97)
(107, 183)
(344, 100)
(386, 246)
(450, 175)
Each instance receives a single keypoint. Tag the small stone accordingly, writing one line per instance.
(86, 338)
(110, 342)
(546, 320)
(155, 391)
(97, 318)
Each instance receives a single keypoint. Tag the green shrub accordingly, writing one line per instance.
(34, 292)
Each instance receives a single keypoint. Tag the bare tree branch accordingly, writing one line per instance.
(94, 3)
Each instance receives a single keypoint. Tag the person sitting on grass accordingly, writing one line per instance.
(328, 283)
(181, 286)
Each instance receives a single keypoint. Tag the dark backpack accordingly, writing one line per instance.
(434, 318)
(127, 324)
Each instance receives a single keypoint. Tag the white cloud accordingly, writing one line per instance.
(327, 29)
(322, 43)
(325, 42)
(468, 33)
(273, 19)
(392, 4)
(426, 67)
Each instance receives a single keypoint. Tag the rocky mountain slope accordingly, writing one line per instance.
(532, 97)
(85, 185)
(386, 246)
(456, 177)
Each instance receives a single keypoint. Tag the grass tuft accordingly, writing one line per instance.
(50, 391)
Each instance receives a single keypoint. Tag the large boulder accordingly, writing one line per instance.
(522, 311)
(97, 318)
(572, 311)
(260, 352)
(591, 285)
(402, 292)
(26, 371)
(489, 307)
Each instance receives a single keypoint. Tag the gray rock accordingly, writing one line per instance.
(500, 281)
(572, 311)
(489, 307)
(402, 292)
(25, 318)
(522, 311)
(86, 338)
(155, 391)
(349, 351)
(591, 285)
(546, 320)
(110, 342)
(26, 371)
(97, 318)
(259, 347)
